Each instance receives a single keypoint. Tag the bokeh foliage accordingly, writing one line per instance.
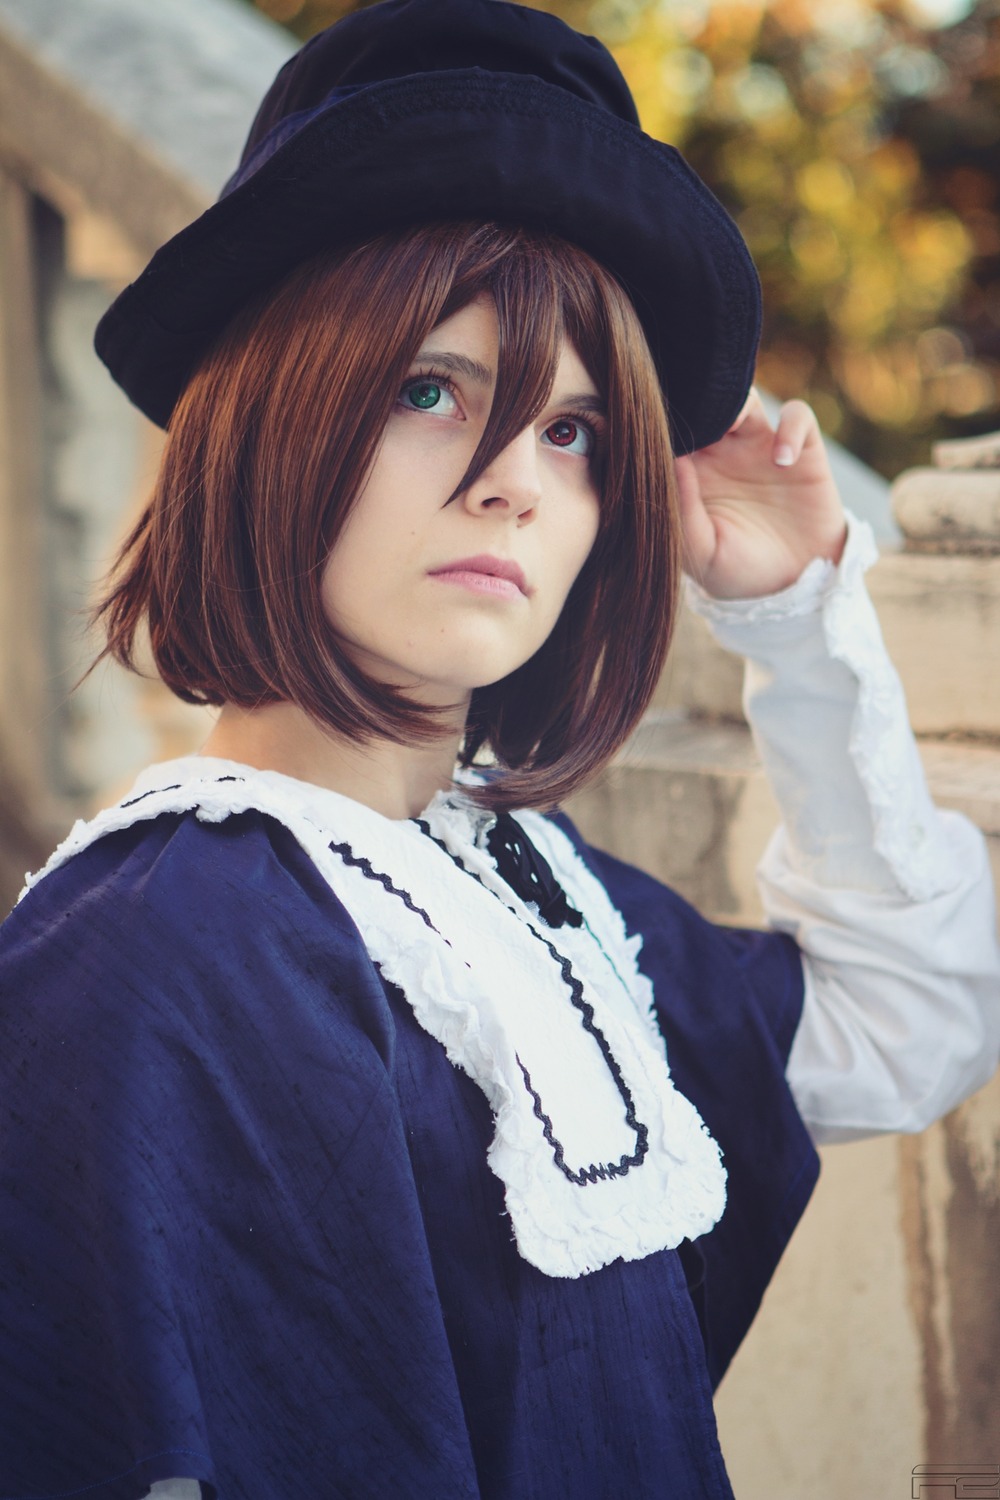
(857, 143)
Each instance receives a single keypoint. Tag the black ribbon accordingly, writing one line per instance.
(528, 873)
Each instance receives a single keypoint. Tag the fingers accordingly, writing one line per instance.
(797, 425)
(753, 448)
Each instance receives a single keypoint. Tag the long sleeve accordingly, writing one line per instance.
(889, 899)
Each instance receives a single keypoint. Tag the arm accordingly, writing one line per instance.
(889, 900)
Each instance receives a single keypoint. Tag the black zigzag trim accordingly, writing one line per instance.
(367, 869)
(593, 1173)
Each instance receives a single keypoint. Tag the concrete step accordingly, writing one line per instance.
(687, 801)
(941, 621)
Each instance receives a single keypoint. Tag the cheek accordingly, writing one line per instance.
(357, 559)
(594, 525)
(571, 544)
(345, 578)
(585, 532)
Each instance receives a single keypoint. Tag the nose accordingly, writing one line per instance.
(511, 482)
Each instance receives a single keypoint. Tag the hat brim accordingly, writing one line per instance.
(462, 145)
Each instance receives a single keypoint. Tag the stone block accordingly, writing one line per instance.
(949, 510)
(941, 621)
(688, 802)
(824, 1398)
(183, 79)
(31, 815)
(699, 677)
(968, 453)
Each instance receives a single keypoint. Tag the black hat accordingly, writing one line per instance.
(413, 111)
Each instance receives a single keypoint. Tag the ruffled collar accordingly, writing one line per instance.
(600, 1156)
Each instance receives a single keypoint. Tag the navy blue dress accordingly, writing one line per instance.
(248, 1233)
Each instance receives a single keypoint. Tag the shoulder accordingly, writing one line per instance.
(186, 917)
(184, 877)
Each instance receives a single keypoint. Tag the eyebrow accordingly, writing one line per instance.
(458, 364)
(586, 403)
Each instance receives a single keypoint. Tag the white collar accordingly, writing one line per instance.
(601, 1157)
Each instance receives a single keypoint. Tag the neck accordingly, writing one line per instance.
(396, 780)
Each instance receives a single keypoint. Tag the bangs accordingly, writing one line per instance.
(544, 291)
(525, 291)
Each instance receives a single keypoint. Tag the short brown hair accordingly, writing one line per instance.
(268, 450)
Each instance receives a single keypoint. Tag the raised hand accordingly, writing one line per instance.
(760, 504)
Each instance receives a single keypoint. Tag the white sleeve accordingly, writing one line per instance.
(889, 899)
(174, 1489)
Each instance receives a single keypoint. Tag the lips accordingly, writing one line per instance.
(484, 574)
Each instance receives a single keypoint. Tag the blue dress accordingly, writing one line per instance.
(249, 1233)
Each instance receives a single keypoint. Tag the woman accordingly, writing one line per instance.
(345, 1158)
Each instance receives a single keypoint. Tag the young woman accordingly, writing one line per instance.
(362, 1138)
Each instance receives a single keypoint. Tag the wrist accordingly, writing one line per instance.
(806, 595)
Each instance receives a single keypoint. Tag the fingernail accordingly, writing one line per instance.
(784, 455)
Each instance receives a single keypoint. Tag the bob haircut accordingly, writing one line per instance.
(268, 450)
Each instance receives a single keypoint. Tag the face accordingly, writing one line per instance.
(440, 597)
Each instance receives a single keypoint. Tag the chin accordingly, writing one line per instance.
(447, 677)
(453, 691)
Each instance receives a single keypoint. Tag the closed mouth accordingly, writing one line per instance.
(484, 567)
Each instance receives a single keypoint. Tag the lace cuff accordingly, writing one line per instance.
(829, 716)
(803, 597)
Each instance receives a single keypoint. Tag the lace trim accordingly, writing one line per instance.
(907, 831)
(469, 968)
(592, 1172)
(803, 597)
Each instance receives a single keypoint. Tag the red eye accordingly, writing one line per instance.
(562, 434)
(571, 436)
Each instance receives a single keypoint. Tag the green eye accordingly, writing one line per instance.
(428, 392)
(424, 394)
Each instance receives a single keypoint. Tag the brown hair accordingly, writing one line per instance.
(268, 450)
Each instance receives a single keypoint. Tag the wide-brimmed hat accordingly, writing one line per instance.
(415, 111)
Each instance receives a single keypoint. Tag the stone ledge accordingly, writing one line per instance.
(949, 510)
(699, 677)
(941, 621)
(688, 801)
(966, 777)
